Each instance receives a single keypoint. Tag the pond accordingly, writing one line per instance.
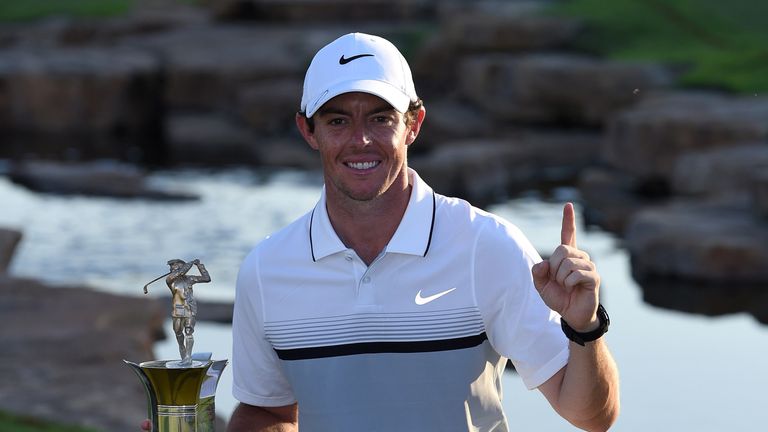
(678, 371)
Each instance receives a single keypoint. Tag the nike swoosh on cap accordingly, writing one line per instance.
(424, 300)
(343, 60)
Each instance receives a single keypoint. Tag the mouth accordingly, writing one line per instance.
(362, 166)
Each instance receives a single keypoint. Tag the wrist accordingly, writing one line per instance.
(595, 329)
(592, 325)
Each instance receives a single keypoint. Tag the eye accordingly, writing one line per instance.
(336, 121)
(383, 119)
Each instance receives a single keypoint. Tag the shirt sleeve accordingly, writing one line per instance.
(518, 323)
(258, 378)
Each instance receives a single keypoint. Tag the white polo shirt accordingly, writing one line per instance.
(417, 341)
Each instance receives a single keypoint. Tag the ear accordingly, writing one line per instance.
(415, 127)
(303, 126)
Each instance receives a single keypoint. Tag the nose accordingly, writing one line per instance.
(361, 134)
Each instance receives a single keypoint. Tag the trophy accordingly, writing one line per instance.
(180, 393)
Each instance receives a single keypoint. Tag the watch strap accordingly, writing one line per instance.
(582, 338)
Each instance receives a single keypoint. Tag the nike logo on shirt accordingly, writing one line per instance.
(424, 300)
(344, 61)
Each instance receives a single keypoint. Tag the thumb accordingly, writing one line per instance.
(540, 273)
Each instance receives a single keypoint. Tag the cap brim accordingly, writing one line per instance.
(386, 91)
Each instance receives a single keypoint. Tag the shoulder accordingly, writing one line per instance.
(488, 231)
(293, 239)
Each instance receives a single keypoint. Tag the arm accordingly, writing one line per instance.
(586, 391)
(249, 418)
(204, 276)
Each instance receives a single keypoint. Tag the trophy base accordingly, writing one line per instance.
(180, 396)
(173, 364)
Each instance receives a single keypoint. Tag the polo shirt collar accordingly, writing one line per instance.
(413, 235)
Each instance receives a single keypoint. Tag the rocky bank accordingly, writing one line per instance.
(512, 106)
(62, 351)
(680, 174)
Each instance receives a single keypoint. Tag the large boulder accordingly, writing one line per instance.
(206, 67)
(611, 197)
(555, 88)
(490, 169)
(99, 178)
(80, 103)
(505, 26)
(701, 258)
(647, 140)
(9, 239)
(312, 11)
(699, 241)
(720, 171)
(63, 351)
(209, 139)
(760, 194)
(269, 107)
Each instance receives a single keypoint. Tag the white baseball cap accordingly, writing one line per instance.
(358, 62)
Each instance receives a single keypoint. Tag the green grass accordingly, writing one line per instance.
(29, 10)
(720, 44)
(12, 423)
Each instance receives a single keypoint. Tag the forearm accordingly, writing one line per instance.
(589, 391)
(248, 418)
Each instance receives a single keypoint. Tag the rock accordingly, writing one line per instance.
(701, 258)
(102, 178)
(286, 153)
(9, 239)
(488, 170)
(209, 140)
(610, 198)
(63, 31)
(555, 88)
(269, 106)
(214, 312)
(720, 171)
(80, 103)
(450, 120)
(707, 298)
(699, 241)
(206, 67)
(310, 11)
(760, 195)
(63, 349)
(646, 140)
(505, 26)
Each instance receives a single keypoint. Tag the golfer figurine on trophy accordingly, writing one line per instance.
(180, 393)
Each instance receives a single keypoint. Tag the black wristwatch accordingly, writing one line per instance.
(582, 338)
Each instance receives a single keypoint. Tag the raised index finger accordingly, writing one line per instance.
(568, 231)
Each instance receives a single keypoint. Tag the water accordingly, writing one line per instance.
(678, 371)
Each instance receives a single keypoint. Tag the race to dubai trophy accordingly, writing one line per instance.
(180, 393)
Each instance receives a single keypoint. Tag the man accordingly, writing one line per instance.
(389, 307)
(184, 305)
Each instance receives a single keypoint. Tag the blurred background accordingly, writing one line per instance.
(136, 131)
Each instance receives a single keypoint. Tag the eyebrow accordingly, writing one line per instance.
(385, 107)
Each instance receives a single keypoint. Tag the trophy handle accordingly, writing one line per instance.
(151, 397)
(206, 407)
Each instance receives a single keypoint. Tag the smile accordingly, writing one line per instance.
(363, 165)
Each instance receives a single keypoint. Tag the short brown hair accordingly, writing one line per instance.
(410, 115)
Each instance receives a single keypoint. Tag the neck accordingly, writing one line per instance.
(368, 226)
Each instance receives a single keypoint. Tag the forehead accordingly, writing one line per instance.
(356, 100)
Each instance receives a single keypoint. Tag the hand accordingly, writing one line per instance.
(568, 281)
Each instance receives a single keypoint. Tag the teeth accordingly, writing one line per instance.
(362, 165)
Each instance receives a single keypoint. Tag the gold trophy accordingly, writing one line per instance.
(180, 393)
